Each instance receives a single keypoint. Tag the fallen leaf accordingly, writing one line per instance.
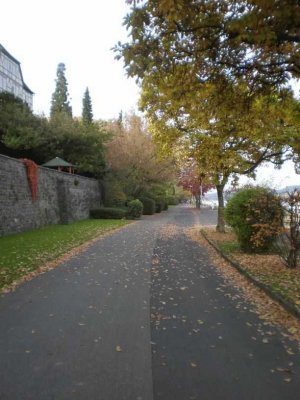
(288, 370)
(293, 329)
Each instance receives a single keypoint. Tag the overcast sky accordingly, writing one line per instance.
(42, 33)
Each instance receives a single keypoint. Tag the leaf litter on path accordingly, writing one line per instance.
(267, 309)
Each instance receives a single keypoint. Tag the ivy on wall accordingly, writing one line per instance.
(32, 176)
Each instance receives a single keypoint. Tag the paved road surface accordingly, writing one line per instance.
(140, 315)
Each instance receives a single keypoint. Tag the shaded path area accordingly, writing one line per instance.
(83, 330)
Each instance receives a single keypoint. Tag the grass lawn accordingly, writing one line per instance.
(267, 268)
(24, 252)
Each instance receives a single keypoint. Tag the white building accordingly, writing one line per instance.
(11, 78)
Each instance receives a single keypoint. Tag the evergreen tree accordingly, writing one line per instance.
(60, 102)
(87, 111)
(120, 118)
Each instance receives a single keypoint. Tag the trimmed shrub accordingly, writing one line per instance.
(172, 200)
(159, 204)
(148, 205)
(256, 216)
(135, 209)
(108, 213)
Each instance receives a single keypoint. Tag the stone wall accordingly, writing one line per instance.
(62, 197)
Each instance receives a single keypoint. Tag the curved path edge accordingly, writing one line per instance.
(274, 296)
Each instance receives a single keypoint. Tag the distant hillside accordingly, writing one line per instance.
(288, 189)
(212, 194)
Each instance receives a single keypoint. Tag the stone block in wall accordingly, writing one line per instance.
(61, 198)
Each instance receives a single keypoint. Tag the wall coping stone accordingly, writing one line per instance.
(49, 169)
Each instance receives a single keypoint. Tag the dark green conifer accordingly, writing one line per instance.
(60, 97)
(120, 119)
(87, 110)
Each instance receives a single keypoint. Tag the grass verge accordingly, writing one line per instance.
(23, 253)
(267, 269)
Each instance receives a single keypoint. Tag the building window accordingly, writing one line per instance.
(11, 78)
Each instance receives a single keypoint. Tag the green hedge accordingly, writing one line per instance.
(135, 209)
(172, 200)
(108, 213)
(148, 205)
(160, 204)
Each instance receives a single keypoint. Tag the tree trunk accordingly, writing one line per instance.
(221, 222)
(198, 200)
(294, 234)
(292, 259)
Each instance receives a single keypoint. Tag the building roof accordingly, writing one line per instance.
(57, 162)
(4, 51)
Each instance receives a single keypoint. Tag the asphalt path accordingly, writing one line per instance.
(140, 315)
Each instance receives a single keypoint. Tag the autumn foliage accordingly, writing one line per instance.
(32, 176)
(256, 215)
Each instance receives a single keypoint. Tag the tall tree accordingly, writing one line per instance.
(133, 157)
(87, 110)
(256, 40)
(225, 130)
(60, 98)
(210, 73)
(120, 119)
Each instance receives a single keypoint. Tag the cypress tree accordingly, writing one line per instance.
(87, 111)
(120, 119)
(60, 102)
